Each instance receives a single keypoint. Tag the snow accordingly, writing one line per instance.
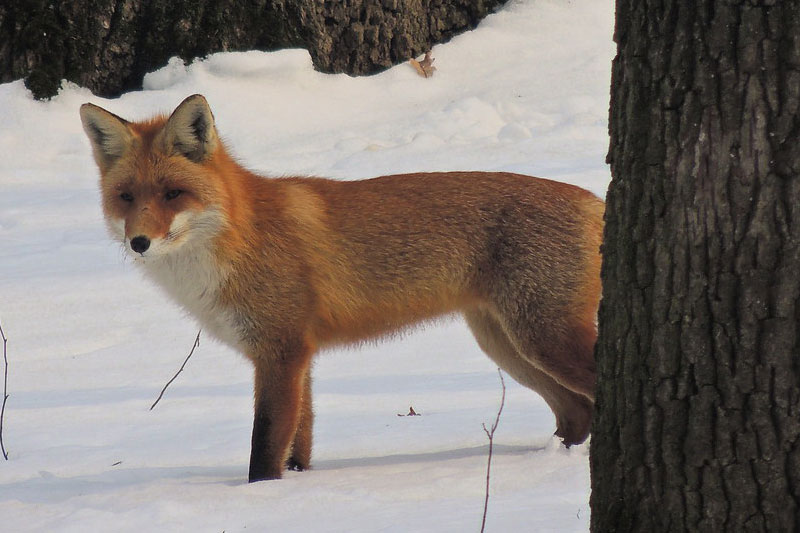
(91, 342)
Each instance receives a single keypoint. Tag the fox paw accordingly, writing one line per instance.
(294, 465)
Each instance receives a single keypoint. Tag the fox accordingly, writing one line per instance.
(280, 268)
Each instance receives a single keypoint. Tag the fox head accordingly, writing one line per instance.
(156, 177)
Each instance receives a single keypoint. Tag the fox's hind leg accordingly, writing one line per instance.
(573, 411)
(563, 348)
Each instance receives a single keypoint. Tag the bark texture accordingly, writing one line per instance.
(108, 45)
(697, 422)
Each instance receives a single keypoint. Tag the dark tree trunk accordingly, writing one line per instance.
(108, 45)
(697, 423)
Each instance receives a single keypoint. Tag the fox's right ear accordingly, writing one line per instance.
(108, 133)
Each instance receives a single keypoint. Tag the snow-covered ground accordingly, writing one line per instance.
(91, 342)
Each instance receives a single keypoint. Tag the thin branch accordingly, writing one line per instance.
(196, 344)
(490, 434)
(5, 391)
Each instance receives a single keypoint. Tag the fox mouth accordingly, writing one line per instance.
(139, 256)
(141, 248)
(185, 228)
(159, 247)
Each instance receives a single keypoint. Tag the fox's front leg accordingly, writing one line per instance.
(279, 388)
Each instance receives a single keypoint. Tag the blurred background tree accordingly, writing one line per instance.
(108, 45)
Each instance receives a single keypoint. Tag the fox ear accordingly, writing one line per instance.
(108, 133)
(190, 129)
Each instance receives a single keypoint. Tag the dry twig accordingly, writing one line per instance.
(490, 434)
(196, 344)
(5, 391)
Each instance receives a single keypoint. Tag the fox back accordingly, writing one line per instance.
(281, 267)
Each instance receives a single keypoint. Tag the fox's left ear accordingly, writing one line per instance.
(190, 129)
(108, 133)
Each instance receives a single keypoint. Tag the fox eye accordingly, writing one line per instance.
(174, 193)
(128, 197)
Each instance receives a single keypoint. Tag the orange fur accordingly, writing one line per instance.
(279, 268)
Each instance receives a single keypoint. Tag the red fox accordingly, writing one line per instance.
(279, 268)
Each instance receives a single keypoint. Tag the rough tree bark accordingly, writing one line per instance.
(108, 45)
(697, 423)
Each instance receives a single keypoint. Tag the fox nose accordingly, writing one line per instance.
(140, 244)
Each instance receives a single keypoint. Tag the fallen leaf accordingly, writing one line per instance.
(424, 67)
(411, 412)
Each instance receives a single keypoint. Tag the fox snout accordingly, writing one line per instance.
(140, 244)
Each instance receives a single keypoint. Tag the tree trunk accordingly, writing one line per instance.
(108, 45)
(697, 421)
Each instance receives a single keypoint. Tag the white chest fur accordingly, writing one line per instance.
(193, 278)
